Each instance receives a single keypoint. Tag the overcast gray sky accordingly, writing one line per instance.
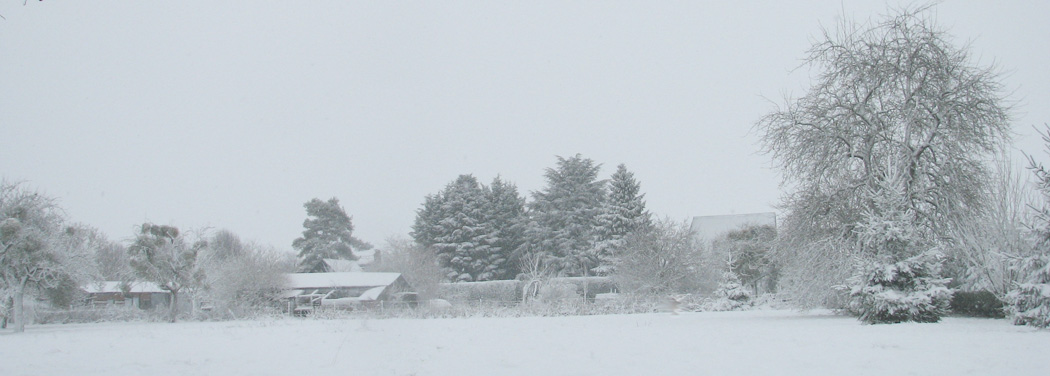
(232, 114)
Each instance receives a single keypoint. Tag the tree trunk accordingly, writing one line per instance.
(20, 312)
(173, 308)
(9, 304)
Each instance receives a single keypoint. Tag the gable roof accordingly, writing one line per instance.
(334, 280)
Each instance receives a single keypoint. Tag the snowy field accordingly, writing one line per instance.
(716, 343)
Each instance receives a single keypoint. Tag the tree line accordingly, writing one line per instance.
(575, 225)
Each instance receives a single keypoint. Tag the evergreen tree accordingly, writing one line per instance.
(1029, 301)
(623, 214)
(506, 219)
(453, 223)
(327, 233)
(564, 215)
(749, 254)
(474, 230)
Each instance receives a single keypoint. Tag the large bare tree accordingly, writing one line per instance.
(37, 249)
(885, 152)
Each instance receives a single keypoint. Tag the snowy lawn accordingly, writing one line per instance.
(715, 343)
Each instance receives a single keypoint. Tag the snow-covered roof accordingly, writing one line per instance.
(345, 279)
(337, 265)
(114, 286)
(711, 227)
(372, 293)
(365, 257)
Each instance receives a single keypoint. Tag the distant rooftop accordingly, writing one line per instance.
(712, 227)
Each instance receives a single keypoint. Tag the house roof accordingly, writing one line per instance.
(712, 227)
(333, 280)
(114, 287)
(337, 265)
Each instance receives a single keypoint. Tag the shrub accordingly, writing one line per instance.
(731, 295)
(977, 304)
(93, 315)
(489, 291)
(908, 290)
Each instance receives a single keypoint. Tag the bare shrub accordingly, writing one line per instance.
(667, 259)
(418, 264)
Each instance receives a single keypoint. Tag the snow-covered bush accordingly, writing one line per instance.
(731, 295)
(908, 290)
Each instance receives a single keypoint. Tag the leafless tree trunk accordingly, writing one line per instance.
(19, 306)
(173, 308)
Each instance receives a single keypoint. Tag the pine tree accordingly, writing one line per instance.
(622, 214)
(564, 215)
(327, 233)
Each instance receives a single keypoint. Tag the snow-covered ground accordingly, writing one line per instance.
(715, 343)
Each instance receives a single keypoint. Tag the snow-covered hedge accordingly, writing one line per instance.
(908, 290)
(977, 304)
(489, 291)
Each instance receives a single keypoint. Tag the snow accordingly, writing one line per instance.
(713, 343)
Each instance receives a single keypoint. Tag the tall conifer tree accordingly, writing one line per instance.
(622, 214)
(564, 216)
(327, 233)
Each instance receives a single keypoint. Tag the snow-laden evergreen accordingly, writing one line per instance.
(731, 295)
(623, 213)
(908, 290)
(507, 220)
(475, 230)
(899, 276)
(458, 232)
(1030, 301)
(564, 216)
